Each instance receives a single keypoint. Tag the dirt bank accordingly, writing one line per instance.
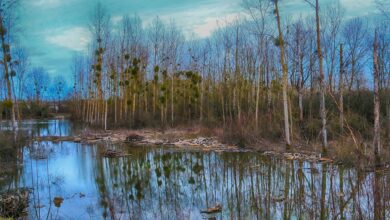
(190, 138)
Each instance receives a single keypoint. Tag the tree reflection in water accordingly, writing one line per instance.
(169, 183)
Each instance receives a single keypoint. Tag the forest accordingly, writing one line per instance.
(315, 77)
(269, 81)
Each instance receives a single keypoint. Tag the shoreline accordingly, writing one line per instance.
(194, 139)
(211, 139)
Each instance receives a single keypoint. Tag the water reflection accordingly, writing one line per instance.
(52, 127)
(168, 183)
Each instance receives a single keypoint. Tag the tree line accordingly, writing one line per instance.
(320, 77)
(23, 87)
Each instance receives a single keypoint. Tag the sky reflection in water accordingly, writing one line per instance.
(168, 183)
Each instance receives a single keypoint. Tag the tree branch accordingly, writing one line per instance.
(310, 3)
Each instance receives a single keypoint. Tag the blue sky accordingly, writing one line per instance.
(54, 30)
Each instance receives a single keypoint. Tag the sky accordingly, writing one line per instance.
(53, 31)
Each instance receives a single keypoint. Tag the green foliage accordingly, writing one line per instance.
(156, 69)
(98, 67)
(3, 30)
(7, 104)
(276, 86)
(162, 99)
(8, 58)
(197, 168)
(191, 180)
(278, 42)
(7, 48)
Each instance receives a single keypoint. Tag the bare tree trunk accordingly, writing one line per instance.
(6, 55)
(269, 91)
(115, 107)
(322, 83)
(257, 100)
(223, 106)
(388, 124)
(341, 90)
(376, 100)
(105, 115)
(172, 107)
(301, 80)
(285, 77)
(16, 103)
(201, 100)
(290, 117)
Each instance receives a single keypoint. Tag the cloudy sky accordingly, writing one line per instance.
(54, 30)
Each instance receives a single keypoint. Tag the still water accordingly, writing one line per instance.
(171, 183)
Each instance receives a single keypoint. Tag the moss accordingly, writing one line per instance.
(191, 180)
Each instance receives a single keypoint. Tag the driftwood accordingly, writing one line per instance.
(215, 209)
(58, 201)
(114, 154)
(14, 204)
(134, 138)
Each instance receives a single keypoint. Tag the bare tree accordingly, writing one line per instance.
(99, 27)
(20, 68)
(377, 133)
(258, 10)
(331, 22)
(40, 81)
(280, 43)
(355, 37)
(341, 89)
(58, 87)
(316, 6)
(384, 8)
(156, 36)
(7, 8)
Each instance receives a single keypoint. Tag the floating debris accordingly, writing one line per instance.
(14, 203)
(58, 201)
(114, 154)
(215, 209)
(325, 160)
(134, 138)
(278, 199)
(39, 206)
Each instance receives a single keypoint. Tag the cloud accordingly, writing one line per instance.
(359, 7)
(75, 38)
(210, 24)
(48, 3)
(197, 20)
(116, 19)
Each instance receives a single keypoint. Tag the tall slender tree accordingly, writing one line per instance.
(324, 133)
(280, 42)
(7, 8)
(99, 24)
(377, 134)
(341, 90)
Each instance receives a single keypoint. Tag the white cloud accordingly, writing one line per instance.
(75, 38)
(198, 21)
(210, 24)
(116, 19)
(48, 3)
(359, 7)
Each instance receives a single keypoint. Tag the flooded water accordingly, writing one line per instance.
(170, 183)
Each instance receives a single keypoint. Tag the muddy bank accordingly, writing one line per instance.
(188, 139)
(14, 203)
(172, 137)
